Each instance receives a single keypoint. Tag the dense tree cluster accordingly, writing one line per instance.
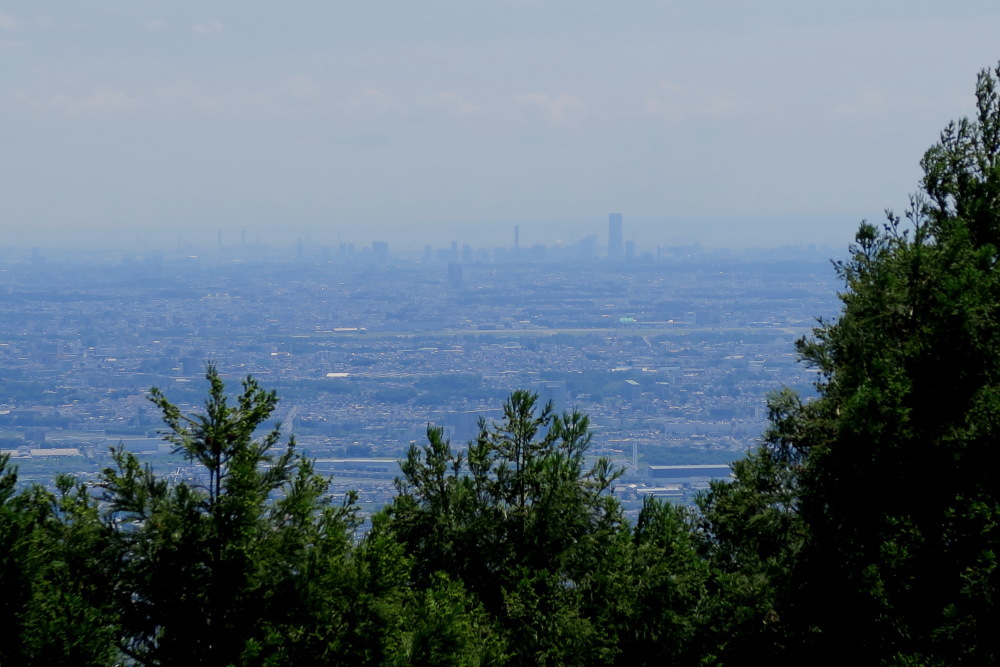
(510, 552)
(864, 529)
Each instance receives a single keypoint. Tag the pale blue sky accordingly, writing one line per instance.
(732, 122)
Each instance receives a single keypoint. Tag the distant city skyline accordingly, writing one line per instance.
(413, 240)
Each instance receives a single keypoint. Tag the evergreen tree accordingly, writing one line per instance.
(879, 500)
(220, 571)
(662, 613)
(523, 525)
(55, 607)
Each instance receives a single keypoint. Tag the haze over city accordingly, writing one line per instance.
(141, 124)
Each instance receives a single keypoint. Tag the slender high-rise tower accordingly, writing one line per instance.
(616, 244)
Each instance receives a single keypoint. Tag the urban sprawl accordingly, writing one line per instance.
(671, 353)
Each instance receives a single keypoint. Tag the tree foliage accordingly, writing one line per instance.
(206, 570)
(519, 520)
(53, 547)
(879, 498)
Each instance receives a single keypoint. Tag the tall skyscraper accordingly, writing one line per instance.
(616, 244)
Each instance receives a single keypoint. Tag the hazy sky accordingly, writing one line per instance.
(726, 121)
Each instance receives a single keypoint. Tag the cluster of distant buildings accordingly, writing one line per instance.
(587, 248)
